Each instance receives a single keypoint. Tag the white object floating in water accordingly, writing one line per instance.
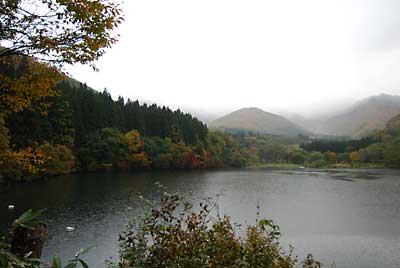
(11, 207)
(70, 228)
(129, 208)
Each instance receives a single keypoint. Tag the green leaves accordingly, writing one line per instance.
(9, 260)
(77, 260)
(56, 262)
(74, 263)
(83, 251)
(29, 220)
(178, 234)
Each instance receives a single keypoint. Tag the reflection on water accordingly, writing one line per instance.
(349, 217)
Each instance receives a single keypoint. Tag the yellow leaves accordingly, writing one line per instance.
(355, 156)
(330, 156)
(21, 84)
(134, 141)
(60, 31)
(139, 160)
(20, 88)
(59, 159)
(21, 162)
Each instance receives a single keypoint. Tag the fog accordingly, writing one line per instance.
(304, 57)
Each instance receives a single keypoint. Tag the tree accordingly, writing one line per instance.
(104, 149)
(315, 156)
(36, 39)
(297, 156)
(330, 157)
(24, 82)
(54, 127)
(271, 151)
(355, 156)
(343, 157)
(134, 141)
(392, 153)
(136, 157)
(59, 159)
(58, 31)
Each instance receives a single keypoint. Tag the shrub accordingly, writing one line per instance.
(25, 247)
(177, 234)
(318, 164)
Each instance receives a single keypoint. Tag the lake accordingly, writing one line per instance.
(347, 217)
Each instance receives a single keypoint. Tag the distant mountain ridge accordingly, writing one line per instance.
(258, 121)
(364, 117)
(361, 119)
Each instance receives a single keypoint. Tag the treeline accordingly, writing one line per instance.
(340, 146)
(380, 149)
(79, 110)
(85, 130)
(80, 129)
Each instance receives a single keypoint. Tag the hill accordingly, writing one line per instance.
(258, 121)
(364, 117)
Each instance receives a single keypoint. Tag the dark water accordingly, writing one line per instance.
(351, 218)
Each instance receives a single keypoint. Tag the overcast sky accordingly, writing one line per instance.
(220, 55)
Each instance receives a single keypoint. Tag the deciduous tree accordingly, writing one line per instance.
(58, 31)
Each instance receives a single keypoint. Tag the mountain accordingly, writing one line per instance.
(258, 121)
(364, 117)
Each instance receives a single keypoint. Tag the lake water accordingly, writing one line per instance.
(350, 218)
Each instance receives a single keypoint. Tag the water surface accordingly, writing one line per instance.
(350, 218)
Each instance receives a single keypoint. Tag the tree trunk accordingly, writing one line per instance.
(29, 242)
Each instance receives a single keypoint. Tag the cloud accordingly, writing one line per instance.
(219, 55)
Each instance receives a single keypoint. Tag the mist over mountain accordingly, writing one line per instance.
(364, 117)
(258, 121)
(357, 120)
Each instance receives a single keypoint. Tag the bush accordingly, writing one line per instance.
(59, 159)
(176, 234)
(318, 164)
(24, 250)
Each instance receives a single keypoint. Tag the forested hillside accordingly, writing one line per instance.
(380, 149)
(82, 129)
(76, 128)
(257, 121)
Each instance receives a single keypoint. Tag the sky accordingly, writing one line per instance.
(215, 56)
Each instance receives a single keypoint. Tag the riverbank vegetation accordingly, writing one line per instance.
(52, 125)
(36, 39)
(82, 130)
(85, 130)
(171, 233)
(379, 150)
(176, 233)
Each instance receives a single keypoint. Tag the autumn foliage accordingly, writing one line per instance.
(176, 233)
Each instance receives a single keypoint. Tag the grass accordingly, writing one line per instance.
(275, 166)
(289, 166)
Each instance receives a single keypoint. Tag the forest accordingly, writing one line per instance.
(379, 149)
(85, 130)
(78, 129)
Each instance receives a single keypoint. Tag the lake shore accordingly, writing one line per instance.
(289, 166)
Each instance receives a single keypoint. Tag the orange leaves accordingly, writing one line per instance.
(17, 164)
(139, 160)
(355, 156)
(134, 141)
(20, 88)
(23, 81)
(59, 31)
